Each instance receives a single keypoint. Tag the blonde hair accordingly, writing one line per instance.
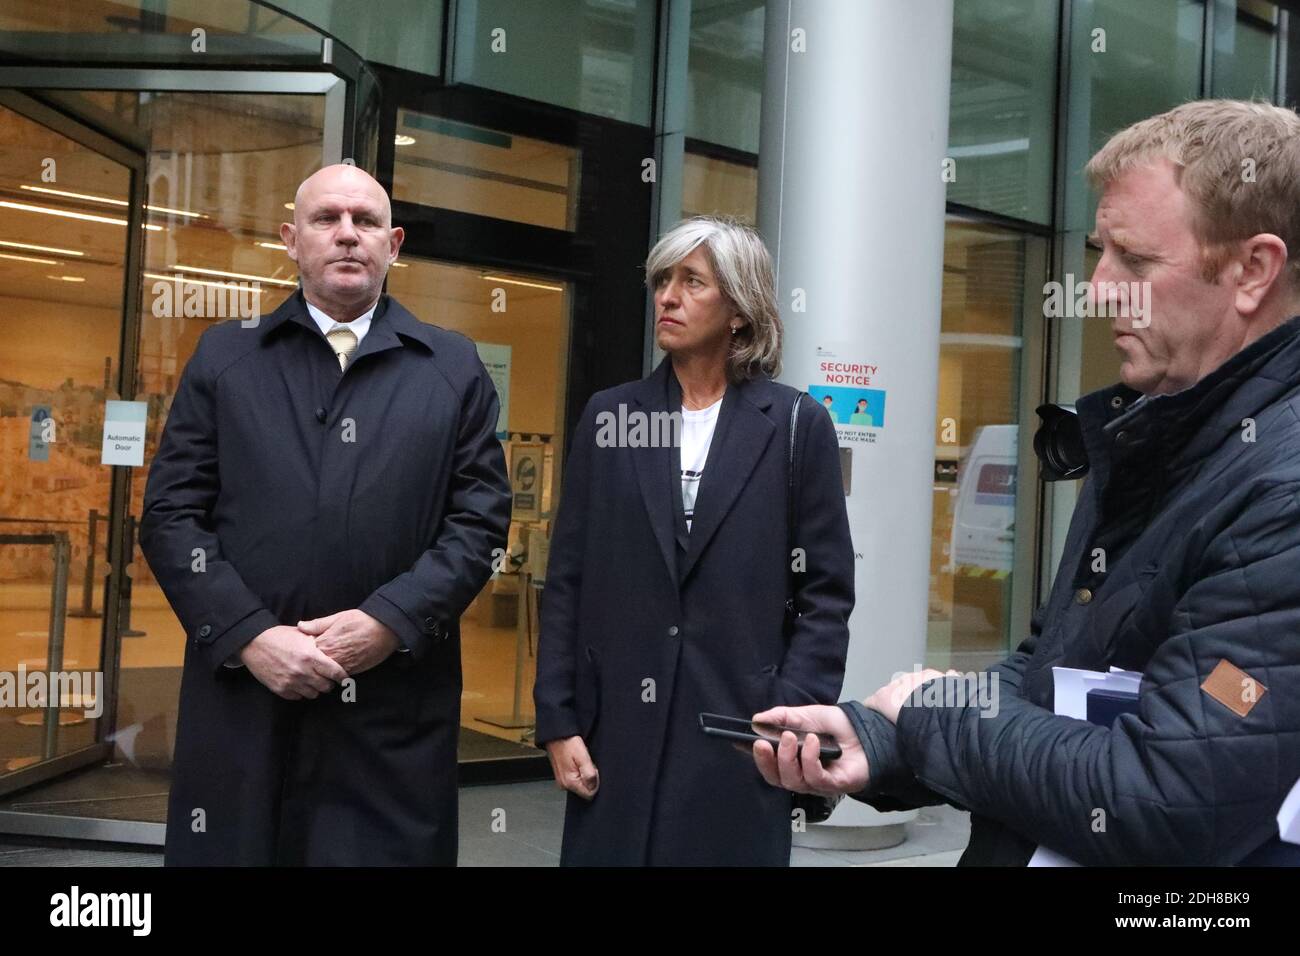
(1237, 160)
(743, 268)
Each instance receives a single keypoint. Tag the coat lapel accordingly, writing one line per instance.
(742, 433)
(654, 466)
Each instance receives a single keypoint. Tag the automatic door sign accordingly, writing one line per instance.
(124, 433)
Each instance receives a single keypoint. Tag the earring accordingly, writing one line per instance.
(735, 329)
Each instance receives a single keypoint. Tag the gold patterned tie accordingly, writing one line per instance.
(344, 343)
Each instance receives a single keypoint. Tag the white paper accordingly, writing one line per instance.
(1045, 857)
(1070, 688)
(1288, 818)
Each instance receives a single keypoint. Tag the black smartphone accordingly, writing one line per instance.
(737, 728)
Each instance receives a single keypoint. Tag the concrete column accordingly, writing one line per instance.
(851, 203)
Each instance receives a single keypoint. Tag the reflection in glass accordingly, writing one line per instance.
(594, 56)
(975, 484)
(725, 72)
(715, 187)
(63, 241)
(451, 165)
(1000, 126)
(153, 31)
(520, 324)
(1134, 80)
(1245, 52)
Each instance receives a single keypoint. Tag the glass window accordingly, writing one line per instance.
(403, 33)
(1292, 94)
(1136, 60)
(520, 324)
(1098, 357)
(1245, 52)
(595, 56)
(1000, 129)
(62, 275)
(439, 162)
(725, 72)
(715, 187)
(975, 480)
(154, 31)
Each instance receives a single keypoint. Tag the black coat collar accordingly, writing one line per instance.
(389, 327)
(1175, 432)
(739, 439)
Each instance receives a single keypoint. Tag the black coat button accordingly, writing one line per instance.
(205, 630)
(320, 415)
(672, 631)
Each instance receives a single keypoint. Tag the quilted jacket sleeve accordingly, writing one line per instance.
(1188, 779)
(893, 786)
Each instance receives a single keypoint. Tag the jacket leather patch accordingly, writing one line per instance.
(1233, 688)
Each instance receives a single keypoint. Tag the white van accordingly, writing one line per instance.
(983, 526)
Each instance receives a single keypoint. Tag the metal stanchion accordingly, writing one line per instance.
(535, 543)
(516, 720)
(54, 656)
(51, 719)
(87, 608)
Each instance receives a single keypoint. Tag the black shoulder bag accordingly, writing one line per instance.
(816, 808)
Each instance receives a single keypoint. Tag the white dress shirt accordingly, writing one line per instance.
(359, 326)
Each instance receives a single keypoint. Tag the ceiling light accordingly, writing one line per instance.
(36, 248)
(292, 284)
(531, 285)
(44, 262)
(69, 214)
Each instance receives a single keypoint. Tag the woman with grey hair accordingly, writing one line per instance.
(701, 562)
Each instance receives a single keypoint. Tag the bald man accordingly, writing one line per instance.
(324, 504)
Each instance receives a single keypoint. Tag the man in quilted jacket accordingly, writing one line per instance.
(1192, 504)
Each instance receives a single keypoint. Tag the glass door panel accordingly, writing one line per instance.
(63, 251)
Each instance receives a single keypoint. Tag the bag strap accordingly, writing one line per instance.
(791, 501)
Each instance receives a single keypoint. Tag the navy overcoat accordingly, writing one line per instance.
(645, 625)
(284, 489)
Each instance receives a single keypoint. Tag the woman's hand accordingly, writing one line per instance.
(572, 766)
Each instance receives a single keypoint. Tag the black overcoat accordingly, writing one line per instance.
(282, 490)
(644, 626)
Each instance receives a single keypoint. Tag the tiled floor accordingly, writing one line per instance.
(528, 820)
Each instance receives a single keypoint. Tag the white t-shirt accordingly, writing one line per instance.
(697, 434)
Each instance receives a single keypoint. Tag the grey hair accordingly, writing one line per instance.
(743, 269)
